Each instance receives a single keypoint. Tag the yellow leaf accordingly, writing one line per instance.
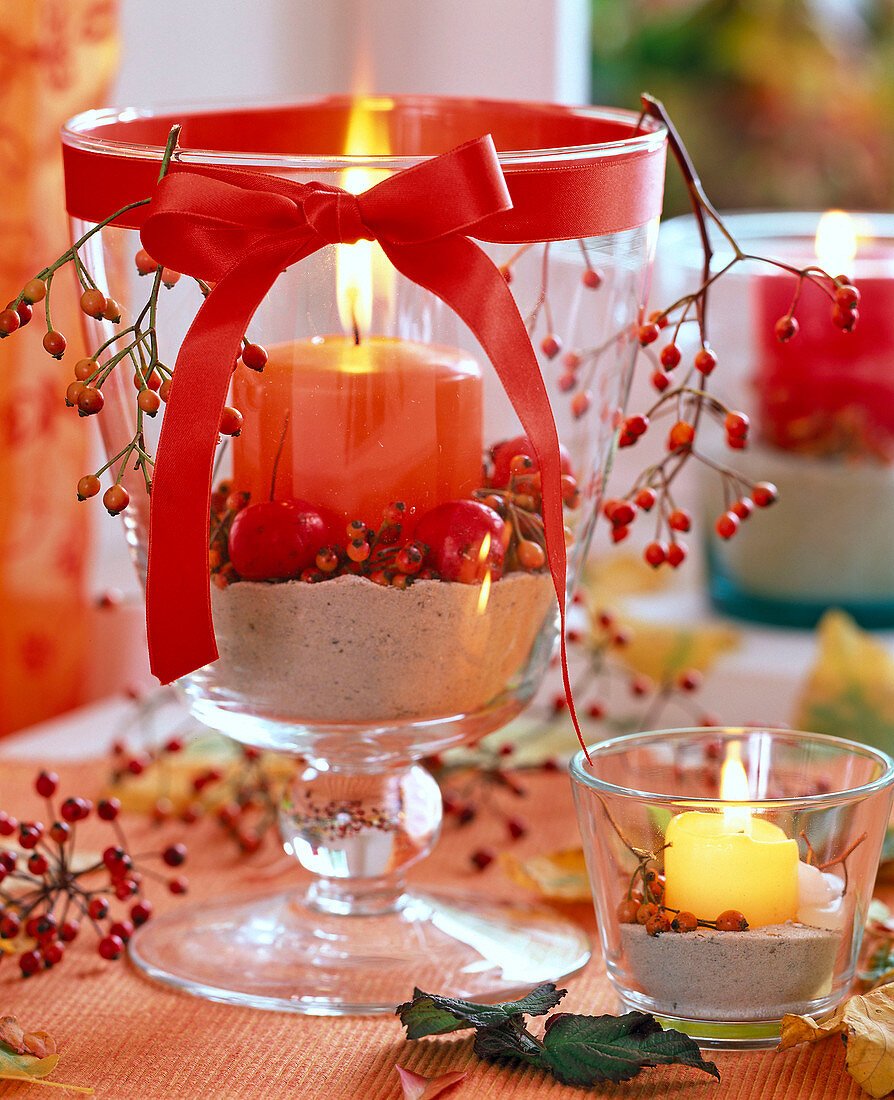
(660, 651)
(26, 1066)
(867, 1024)
(616, 576)
(804, 1029)
(173, 774)
(559, 876)
(656, 649)
(850, 690)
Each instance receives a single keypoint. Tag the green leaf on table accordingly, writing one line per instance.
(429, 1014)
(583, 1050)
(507, 1043)
(880, 967)
(577, 1050)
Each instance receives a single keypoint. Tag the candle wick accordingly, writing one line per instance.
(355, 328)
(282, 441)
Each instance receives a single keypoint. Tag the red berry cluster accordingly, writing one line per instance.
(243, 798)
(16, 315)
(670, 357)
(134, 346)
(498, 531)
(471, 788)
(513, 490)
(44, 900)
(594, 685)
(654, 487)
(578, 365)
(290, 539)
(249, 814)
(645, 906)
(845, 298)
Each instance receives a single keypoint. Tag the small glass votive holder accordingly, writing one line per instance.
(690, 833)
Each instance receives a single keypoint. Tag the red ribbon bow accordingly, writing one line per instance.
(239, 230)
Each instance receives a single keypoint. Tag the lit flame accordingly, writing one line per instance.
(836, 242)
(355, 264)
(734, 788)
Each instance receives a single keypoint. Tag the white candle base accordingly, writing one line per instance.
(824, 543)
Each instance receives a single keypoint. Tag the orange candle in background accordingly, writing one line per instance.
(357, 425)
(57, 59)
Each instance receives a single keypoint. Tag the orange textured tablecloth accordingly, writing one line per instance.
(129, 1038)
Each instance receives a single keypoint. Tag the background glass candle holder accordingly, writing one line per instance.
(797, 849)
(822, 419)
(375, 392)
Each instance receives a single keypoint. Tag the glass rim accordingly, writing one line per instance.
(783, 223)
(581, 777)
(76, 132)
(766, 229)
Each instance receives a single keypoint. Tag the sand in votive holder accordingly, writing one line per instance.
(794, 851)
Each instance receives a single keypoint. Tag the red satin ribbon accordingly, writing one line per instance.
(607, 182)
(240, 229)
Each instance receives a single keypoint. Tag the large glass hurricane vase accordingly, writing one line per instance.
(380, 588)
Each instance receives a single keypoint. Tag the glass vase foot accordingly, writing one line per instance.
(282, 953)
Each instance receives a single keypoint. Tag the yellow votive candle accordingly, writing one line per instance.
(715, 862)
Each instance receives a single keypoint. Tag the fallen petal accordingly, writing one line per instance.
(417, 1087)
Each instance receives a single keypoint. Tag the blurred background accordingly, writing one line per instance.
(783, 103)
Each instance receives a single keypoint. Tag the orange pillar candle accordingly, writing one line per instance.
(352, 426)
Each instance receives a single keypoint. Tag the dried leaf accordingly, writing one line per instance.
(38, 1043)
(867, 1024)
(558, 876)
(804, 1029)
(417, 1087)
(29, 1056)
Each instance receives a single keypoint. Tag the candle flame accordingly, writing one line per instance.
(356, 264)
(836, 242)
(734, 788)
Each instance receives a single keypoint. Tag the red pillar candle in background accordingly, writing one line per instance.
(825, 391)
(356, 426)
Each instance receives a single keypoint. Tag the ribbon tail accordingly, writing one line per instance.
(178, 600)
(461, 274)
